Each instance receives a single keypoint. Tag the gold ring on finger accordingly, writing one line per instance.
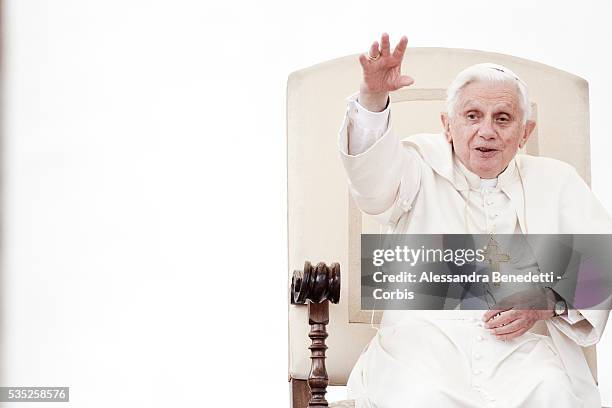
(371, 58)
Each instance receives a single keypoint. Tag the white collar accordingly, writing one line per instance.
(488, 183)
(477, 183)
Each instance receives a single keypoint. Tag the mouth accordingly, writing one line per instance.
(486, 151)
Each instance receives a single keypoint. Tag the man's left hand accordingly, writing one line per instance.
(516, 314)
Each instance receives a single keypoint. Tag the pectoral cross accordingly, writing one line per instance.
(495, 257)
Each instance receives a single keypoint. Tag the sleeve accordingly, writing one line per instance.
(582, 213)
(384, 177)
(366, 127)
(573, 316)
(575, 326)
(586, 330)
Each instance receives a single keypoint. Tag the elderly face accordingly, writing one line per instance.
(487, 127)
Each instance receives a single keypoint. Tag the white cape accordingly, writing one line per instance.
(549, 198)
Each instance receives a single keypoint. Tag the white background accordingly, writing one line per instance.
(143, 176)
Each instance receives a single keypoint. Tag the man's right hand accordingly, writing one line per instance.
(383, 74)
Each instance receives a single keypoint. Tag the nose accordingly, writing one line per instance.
(486, 130)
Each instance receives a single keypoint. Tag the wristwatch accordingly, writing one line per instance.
(560, 308)
(560, 304)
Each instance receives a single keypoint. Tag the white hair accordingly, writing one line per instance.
(487, 72)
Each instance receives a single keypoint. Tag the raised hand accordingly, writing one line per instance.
(382, 73)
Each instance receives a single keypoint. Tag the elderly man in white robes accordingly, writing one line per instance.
(468, 180)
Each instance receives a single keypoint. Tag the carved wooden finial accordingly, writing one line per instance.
(317, 286)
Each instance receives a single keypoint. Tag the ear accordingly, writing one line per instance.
(529, 127)
(446, 124)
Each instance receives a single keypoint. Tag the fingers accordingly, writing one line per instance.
(374, 50)
(405, 80)
(509, 328)
(363, 60)
(511, 323)
(372, 55)
(399, 50)
(489, 314)
(505, 317)
(385, 48)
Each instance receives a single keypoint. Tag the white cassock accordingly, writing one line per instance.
(446, 358)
